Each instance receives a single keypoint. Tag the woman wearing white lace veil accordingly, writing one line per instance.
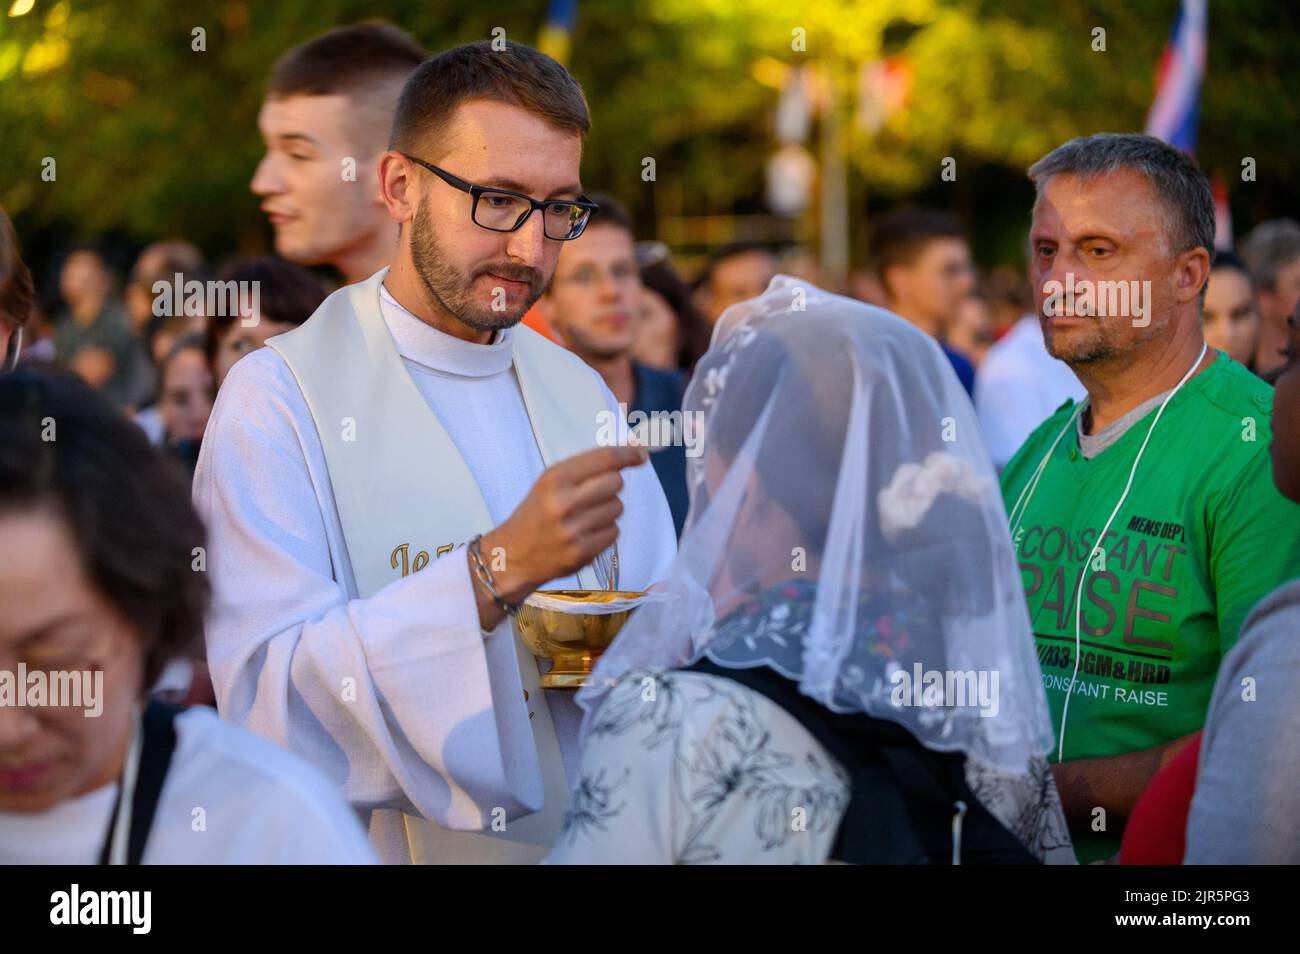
(840, 664)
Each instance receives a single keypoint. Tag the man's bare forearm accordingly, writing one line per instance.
(1113, 782)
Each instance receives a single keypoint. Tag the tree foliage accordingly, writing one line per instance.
(155, 137)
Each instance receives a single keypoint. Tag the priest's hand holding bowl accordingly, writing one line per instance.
(565, 522)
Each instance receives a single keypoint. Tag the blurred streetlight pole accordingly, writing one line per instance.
(834, 189)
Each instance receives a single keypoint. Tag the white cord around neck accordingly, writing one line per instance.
(1022, 505)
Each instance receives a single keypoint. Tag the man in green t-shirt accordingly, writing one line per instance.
(1145, 517)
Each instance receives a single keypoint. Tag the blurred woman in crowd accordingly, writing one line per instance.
(185, 399)
(92, 333)
(1231, 321)
(162, 262)
(287, 295)
(671, 333)
(102, 582)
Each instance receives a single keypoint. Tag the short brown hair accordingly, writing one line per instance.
(16, 293)
(346, 60)
(899, 237)
(517, 75)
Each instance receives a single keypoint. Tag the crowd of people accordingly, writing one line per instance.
(312, 495)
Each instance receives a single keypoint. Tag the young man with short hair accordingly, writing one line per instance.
(734, 274)
(925, 267)
(325, 121)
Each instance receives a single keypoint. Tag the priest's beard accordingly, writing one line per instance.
(453, 290)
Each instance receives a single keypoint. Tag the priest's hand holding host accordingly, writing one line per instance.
(567, 519)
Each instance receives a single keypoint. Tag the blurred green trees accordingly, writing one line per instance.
(155, 138)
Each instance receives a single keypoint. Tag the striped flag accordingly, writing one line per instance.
(1176, 108)
(557, 30)
(1175, 111)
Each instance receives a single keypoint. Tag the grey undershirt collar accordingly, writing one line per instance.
(1090, 445)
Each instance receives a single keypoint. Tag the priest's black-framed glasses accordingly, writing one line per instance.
(501, 210)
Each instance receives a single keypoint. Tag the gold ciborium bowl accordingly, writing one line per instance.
(573, 640)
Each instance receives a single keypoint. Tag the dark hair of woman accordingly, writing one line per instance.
(65, 449)
(16, 293)
(287, 293)
(692, 331)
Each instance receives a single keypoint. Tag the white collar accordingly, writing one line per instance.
(419, 342)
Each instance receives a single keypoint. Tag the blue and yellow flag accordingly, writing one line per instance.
(557, 30)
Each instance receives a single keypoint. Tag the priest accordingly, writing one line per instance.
(386, 483)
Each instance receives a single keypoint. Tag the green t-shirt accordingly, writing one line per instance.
(1203, 535)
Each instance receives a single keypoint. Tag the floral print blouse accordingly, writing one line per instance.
(689, 768)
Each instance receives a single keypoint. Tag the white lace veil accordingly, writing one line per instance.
(842, 457)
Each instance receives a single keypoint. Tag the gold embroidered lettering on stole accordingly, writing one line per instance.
(421, 558)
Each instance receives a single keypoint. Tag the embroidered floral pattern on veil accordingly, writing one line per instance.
(781, 615)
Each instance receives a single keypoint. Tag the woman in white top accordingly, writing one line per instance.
(102, 581)
(840, 666)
